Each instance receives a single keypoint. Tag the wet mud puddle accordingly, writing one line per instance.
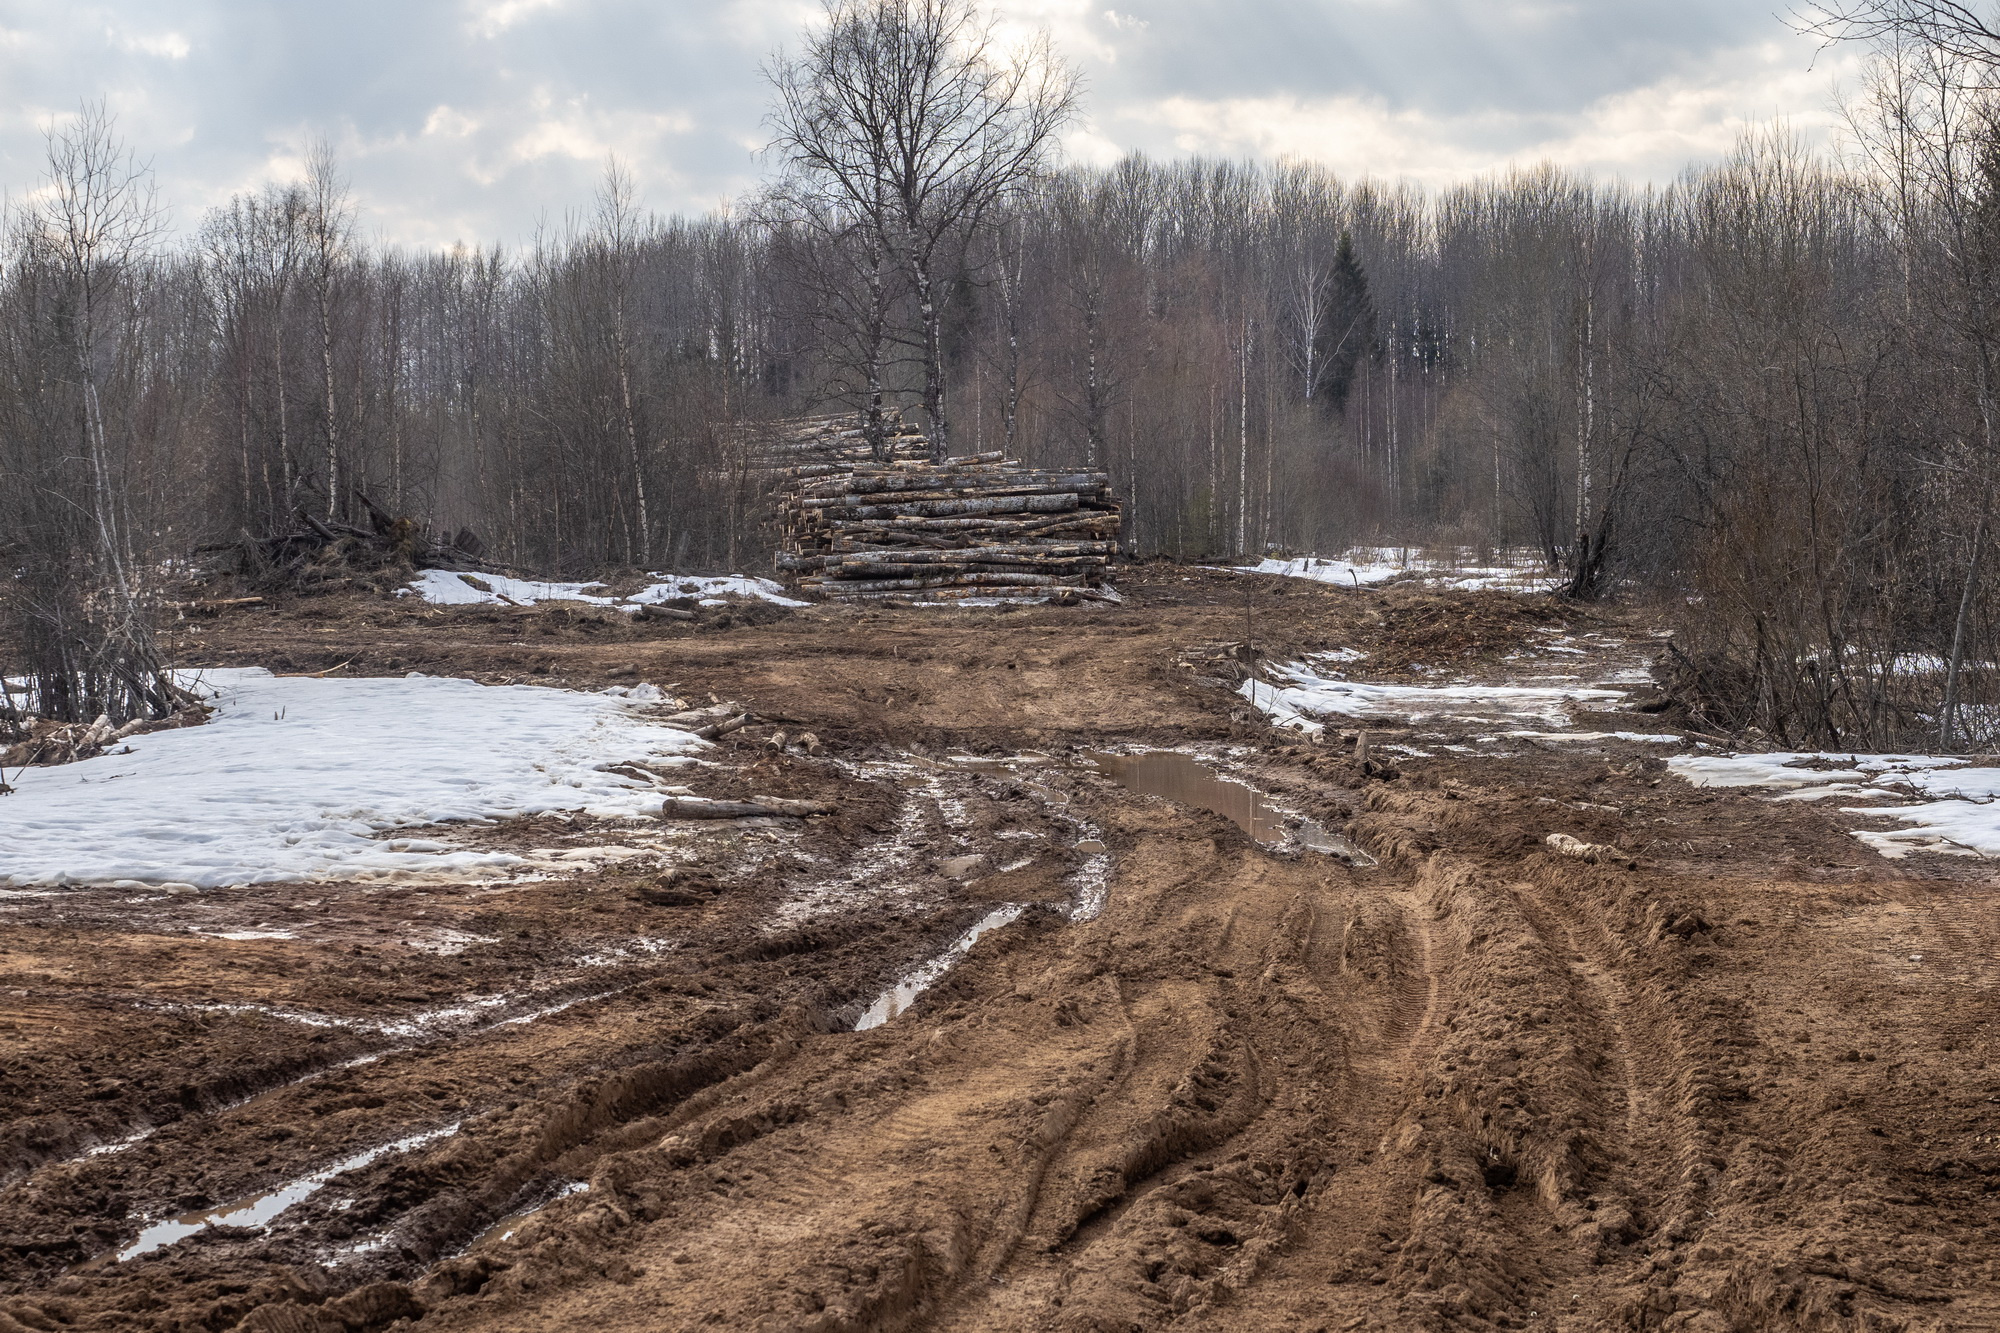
(1163, 773)
(511, 1223)
(262, 1210)
(1178, 777)
(904, 993)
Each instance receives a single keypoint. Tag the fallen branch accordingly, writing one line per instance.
(724, 727)
(698, 807)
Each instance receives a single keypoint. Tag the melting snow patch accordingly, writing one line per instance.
(1307, 697)
(1802, 769)
(1343, 572)
(443, 587)
(711, 591)
(294, 776)
(1957, 809)
(1367, 565)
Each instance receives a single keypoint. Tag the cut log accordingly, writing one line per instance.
(999, 504)
(717, 729)
(649, 611)
(861, 523)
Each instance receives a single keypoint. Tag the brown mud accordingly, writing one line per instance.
(1745, 1081)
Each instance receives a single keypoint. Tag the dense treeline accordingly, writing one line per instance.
(1262, 356)
(1767, 387)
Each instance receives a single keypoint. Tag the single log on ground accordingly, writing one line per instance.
(652, 611)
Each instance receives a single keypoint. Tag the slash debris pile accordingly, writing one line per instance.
(981, 526)
(328, 555)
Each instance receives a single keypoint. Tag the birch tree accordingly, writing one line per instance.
(915, 118)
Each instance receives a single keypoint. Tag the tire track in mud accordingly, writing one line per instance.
(420, 1031)
(448, 1213)
(1478, 1086)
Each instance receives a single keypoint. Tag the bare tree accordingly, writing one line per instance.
(618, 235)
(1929, 125)
(79, 599)
(913, 117)
(328, 220)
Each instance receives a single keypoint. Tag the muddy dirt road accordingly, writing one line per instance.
(1738, 1072)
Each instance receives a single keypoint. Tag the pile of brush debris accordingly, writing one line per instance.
(326, 555)
(42, 742)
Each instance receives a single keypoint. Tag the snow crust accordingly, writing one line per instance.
(712, 590)
(1955, 808)
(1364, 566)
(1344, 572)
(294, 776)
(1307, 696)
(444, 587)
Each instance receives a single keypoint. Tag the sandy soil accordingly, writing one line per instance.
(1743, 1081)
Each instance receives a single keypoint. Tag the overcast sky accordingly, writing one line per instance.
(472, 119)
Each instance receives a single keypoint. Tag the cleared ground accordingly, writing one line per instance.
(1744, 1082)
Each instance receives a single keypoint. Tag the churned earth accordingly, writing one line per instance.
(1722, 1068)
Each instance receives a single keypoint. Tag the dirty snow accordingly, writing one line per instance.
(443, 587)
(258, 1213)
(904, 993)
(1366, 565)
(712, 590)
(1955, 808)
(1307, 697)
(294, 776)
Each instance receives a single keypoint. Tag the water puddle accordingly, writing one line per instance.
(1182, 778)
(1317, 839)
(260, 1211)
(1185, 779)
(904, 993)
(511, 1223)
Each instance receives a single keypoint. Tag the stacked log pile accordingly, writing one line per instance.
(980, 526)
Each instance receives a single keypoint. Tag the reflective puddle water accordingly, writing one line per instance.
(263, 1209)
(1179, 777)
(904, 993)
(509, 1224)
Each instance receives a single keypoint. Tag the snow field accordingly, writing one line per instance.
(294, 778)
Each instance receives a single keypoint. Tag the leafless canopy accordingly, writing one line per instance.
(908, 119)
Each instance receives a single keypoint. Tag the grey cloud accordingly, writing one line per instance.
(453, 131)
(1449, 56)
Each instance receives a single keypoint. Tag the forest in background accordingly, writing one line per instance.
(1766, 389)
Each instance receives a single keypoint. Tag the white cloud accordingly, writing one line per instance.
(450, 123)
(490, 18)
(1646, 133)
(474, 119)
(162, 45)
